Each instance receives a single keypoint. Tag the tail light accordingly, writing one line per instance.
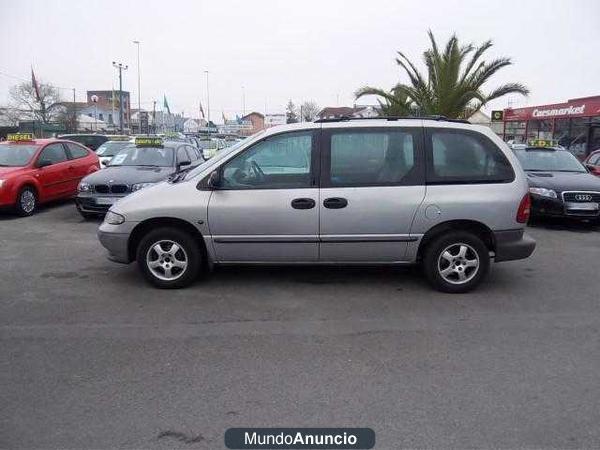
(524, 210)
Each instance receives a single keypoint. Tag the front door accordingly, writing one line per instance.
(266, 209)
(55, 179)
(372, 182)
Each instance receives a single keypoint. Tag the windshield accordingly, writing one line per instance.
(549, 161)
(16, 155)
(143, 156)
(219, 156)
(111, 148)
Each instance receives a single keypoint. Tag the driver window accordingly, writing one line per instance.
(55, 153)
(278, 162)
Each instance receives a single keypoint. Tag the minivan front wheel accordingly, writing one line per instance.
(456, 262)
(169, 258)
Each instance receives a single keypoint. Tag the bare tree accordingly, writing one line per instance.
(23, 97)
(309, 111)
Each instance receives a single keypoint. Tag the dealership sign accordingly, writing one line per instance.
(573, 108)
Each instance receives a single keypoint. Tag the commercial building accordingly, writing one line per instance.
(574, 124)
(108, 103)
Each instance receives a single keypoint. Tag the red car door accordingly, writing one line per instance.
(81, 161)
(53, 171)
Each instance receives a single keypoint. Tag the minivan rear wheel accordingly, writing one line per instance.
(169, 258)
(456, 262)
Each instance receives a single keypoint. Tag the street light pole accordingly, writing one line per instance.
(207, 100)
(243, 101)
(139, 88)
(121, 68)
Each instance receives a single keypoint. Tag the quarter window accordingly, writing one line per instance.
(55, 153)
(373, 157)
(465, 157)
(278, 162)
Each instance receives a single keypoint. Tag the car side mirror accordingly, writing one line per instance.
(184, 162)
(214, 180)
(44, 163)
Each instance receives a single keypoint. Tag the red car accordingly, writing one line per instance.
(34, 171)
(592, 162)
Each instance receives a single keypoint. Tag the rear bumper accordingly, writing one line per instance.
(512, 245)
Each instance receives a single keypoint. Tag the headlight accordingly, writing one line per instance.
(138, 186)
(112, 218)
(1, 183)
(84, 187)
(543, 192)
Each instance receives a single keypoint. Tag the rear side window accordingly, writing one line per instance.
(373, 157)
(76, 151)
(462, 156)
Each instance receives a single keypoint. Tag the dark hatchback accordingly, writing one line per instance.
(133, 168)
(560, 186)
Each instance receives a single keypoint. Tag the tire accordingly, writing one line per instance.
(168, 273)
(455, 272)
(27, 201)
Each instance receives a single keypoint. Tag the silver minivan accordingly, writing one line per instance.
(443, 193)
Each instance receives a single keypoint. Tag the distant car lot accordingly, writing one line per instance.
(93, 355)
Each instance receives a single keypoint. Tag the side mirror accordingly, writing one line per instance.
(214, 180)
(44, 163)
(184, 162)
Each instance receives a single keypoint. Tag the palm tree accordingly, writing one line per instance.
(454, 83)
(394, 103)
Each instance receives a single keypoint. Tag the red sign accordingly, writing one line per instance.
(584, 107)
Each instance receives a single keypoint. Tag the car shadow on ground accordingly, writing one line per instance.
(8, 214)
(565, 224)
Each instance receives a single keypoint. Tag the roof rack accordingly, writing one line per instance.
(392, 118)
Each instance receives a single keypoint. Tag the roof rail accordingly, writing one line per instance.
(391, 118)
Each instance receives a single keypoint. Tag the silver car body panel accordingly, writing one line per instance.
(380, 224)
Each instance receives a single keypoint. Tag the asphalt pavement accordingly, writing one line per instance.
(92, 357)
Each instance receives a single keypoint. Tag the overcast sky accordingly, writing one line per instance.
(304, 50)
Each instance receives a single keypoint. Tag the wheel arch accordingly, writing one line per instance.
(472, 226)
(145, 226)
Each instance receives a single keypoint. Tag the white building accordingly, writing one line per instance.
(272, 120)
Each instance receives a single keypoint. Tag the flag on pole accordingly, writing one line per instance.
(35, 85)
(201, 110)
(165, 104)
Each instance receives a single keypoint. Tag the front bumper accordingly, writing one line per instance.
(95, 204)
(513, 244)
(117, 244)
(555, 207)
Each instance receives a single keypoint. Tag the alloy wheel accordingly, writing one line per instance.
(458, 263)
(167, 260)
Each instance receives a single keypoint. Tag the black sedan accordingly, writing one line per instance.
(144, 163)
(559, 184)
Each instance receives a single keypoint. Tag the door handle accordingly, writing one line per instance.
(303, 203)
(335, 203)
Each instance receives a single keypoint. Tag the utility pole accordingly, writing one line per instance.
(153, 117)
(243, 101)
(139, 88)
(121, 68)
(74, 113)
(207, 100)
